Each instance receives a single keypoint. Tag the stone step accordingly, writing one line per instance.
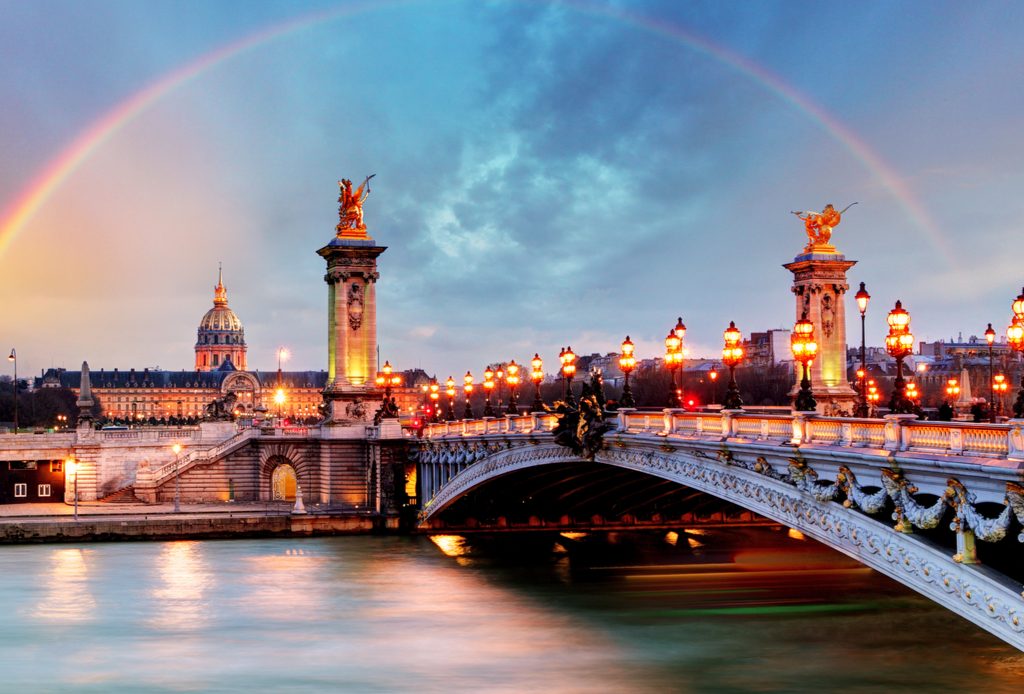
(125, 495)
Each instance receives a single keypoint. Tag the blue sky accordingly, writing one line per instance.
(547, 173)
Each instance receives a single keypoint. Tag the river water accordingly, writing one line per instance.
(750, 611)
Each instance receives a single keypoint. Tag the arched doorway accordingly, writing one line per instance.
(282, 483)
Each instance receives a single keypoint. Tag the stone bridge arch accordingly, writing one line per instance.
(992, 601)
(275, 455)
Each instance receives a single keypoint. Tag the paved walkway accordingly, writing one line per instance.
(20, 512)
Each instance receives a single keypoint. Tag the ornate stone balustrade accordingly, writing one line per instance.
(893, 433)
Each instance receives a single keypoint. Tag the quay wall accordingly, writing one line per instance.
(163, 527)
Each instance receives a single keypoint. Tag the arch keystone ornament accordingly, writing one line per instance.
(351, 311)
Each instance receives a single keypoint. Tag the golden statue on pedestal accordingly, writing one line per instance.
(819, 225)
(350, 209)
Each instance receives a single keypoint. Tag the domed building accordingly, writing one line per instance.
(220, 340)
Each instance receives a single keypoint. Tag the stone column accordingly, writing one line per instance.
(351, 328)
(819, 285)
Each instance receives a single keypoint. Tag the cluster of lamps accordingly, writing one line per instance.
(674, 354)
(899, 343)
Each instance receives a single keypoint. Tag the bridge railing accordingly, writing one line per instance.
(893, 432)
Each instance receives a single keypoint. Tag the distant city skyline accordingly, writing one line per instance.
(548, 173)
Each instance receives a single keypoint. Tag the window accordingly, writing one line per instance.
(56, 466)
(44, 490)
(21, 465)
(20, 490)
(216, 359)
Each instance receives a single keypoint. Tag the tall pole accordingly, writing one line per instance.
(863, 368)
(177, 478)
(14, 357)
(990, 337)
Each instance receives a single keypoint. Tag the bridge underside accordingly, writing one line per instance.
(587, 495)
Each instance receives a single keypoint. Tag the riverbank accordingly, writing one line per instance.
(37, 523)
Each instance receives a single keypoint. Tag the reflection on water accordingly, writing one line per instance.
(67, 597)
(583, 612)
(182, 584)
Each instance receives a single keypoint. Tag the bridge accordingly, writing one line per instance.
(919, 501)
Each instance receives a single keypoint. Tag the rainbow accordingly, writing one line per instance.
(57, 171)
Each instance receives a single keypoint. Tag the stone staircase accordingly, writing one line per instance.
(125, 495)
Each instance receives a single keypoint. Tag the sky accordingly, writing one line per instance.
(547, 173)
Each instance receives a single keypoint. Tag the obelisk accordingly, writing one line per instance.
(819, 285)
(351, 311)
(85, 402)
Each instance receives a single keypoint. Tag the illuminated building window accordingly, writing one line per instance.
(44, 490)
(21, 489)
(57, 466)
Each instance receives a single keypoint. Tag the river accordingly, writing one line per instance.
(717, 612)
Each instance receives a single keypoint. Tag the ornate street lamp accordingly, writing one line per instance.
(732, 354)
(513, 378)
(627, 362)
(713, 375)
(673, 360)
(990, 338)
(1015, 338)
(488, 388)
(899, 343)
(1000, 386)
(387, 379)
(449, 390)
(13, 356)
(805, 348)
(537, 375)
(568, 359)
(499, 378)
(952, 390)
(177, 479)
(873, 396)
(435, 396)
(71, 468)
(467, 387)
(913, 394)
(862, 298)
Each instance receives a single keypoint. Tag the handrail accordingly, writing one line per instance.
(892, 432)
(193, 457)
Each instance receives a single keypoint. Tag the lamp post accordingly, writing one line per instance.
(732, 354)
(488, 388)
(13, 356)
(1000, 386)
(177, 479)
(952, 390)
(713, 375)
(990, 338)
(899, 343)
(568, 359)
(627, 362)
(387, 378)
(467, 387)
(673, 349)
(873, 396)
(71, 466)
(499, 378)
(279, 398)
(449, 390)
(435, 396)
(537, 375)
(805, 348)
(513, 378)
(862, 298)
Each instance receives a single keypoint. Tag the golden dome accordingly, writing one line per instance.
(220, 318)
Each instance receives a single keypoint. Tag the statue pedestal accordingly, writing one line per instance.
(351, 394)
(819, 285)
